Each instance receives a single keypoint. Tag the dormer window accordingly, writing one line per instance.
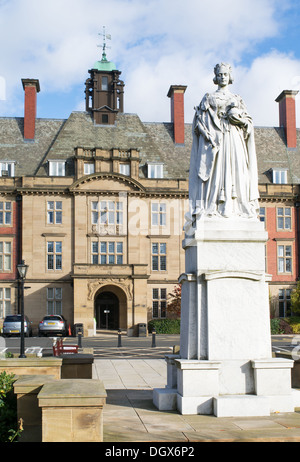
(124, 169)
(89, 168)
(155, 170)
(57, 168)
(7, 169)
(279, 176)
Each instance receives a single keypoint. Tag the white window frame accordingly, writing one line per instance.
(89, 168)
(107, 252)
(107, 212)
(5, 302)
(155, 170)
(6, 253)
(285, 258)
(124, 169)
(54, 212)
(56, 255)
(158, 214)
(159, 303)
(8, 167)
(57, 168)
(54, 300)
(286, 218)
(159, 257)
(279, 176)
(5, 213)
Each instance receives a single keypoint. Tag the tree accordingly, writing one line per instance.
(295, 300)
(174, 304)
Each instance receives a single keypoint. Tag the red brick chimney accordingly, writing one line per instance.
(287, 116)
(31, 88)
(176, 93)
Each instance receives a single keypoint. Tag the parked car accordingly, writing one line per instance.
(12, 325)
(53, 324)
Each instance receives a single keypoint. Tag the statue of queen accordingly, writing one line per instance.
(223, 177)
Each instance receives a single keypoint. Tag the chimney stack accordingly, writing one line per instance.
(287, 116)
(176, 93)
(31, 88)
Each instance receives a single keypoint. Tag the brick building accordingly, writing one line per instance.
(95, 206)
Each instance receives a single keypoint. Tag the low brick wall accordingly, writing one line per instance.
(26, 388)
(77, 366)
(32, 366)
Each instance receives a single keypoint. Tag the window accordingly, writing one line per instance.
(54, 212)
(107, 213)
(159, 214)
(5, 256)
(89, 168)
(284, 218)
(5, 302)
(279, 176)
(104, 118)
(124, 169)
(262, 215)
(107, 253)
(284, 302)
(159, 303)
(104, 83)
(54, 300)
(155, 171)
(159, 257)
(57, 168)
(284, 258)
(5, 213)
(7, 169)
(54, 255)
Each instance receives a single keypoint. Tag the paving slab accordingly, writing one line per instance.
(130, 415)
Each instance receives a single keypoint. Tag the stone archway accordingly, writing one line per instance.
(110, 298)
(107, 311)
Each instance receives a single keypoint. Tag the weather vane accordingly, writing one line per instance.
(104, 46)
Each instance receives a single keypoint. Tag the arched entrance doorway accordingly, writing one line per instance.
(107, 311)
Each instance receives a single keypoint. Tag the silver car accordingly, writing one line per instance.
(12, 325)
(54, 325)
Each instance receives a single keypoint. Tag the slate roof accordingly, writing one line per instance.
(57, 139)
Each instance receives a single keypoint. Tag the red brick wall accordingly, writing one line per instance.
(288, 237)
(8, 232)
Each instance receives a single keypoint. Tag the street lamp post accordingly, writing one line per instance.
(22, 269)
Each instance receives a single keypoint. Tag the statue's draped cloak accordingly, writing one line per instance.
(223, 167)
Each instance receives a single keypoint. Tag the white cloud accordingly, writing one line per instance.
(155, 44)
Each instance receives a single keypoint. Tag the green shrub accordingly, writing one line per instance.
(9, 427)
(164, 326)
(294, 322)
(275, 326)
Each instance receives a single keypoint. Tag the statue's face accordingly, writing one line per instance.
(223, 76)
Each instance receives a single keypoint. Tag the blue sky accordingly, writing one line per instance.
(155, 43)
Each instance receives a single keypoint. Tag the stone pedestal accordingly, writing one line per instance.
(226, 366)
(72, 411)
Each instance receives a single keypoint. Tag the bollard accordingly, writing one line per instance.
(79, 339)
(119, 338)
(153, 339)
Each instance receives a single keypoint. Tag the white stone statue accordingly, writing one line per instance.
(223, 179)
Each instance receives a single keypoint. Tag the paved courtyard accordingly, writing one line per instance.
(130, 416)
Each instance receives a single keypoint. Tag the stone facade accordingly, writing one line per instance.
(97, 212)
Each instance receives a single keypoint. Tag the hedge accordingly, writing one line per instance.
(164, 326)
